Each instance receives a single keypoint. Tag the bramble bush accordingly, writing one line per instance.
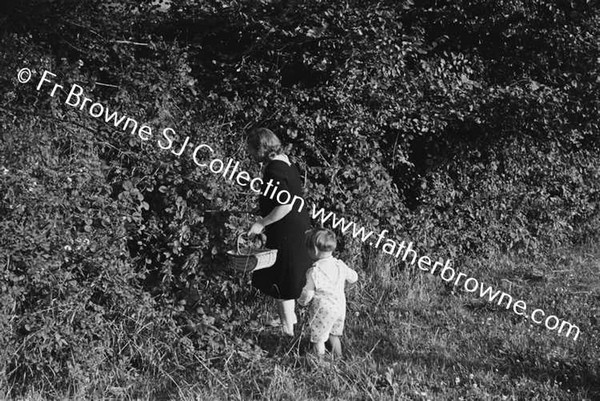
(466, 128)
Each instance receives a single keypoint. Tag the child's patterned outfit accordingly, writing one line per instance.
(325, 282)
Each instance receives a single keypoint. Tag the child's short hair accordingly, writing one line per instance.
(322, 239)
(266, 143)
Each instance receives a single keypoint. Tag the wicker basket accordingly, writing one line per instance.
(251, 258)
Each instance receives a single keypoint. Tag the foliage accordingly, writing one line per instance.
(465, 127)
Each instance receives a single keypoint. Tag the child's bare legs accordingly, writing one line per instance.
(287, 315)
(336, 345)
(319, 348)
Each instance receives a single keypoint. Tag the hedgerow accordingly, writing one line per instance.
(466, 128)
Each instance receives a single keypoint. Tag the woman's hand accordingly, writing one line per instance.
(278, 213)
(256, 228)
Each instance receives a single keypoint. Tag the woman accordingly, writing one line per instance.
(284, 226)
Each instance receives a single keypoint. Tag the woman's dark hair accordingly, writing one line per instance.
(265, 142)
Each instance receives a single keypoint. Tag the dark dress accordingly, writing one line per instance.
(286, 278)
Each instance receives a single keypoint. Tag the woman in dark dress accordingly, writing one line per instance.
(284, 225)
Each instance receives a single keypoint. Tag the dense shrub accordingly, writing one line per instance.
(464, 127)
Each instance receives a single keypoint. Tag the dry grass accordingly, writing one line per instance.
(409, 337)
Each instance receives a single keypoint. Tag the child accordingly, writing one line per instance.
(325, 283)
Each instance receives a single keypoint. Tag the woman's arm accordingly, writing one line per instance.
(278, 213)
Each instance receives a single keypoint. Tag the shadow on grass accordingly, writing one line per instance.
(276, 344)
(270, 341)
(574, 377)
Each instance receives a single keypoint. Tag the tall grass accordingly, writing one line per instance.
(408, 336)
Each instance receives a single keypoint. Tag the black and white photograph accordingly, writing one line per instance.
(289, 200)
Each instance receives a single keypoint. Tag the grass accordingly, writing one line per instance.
(410, 337)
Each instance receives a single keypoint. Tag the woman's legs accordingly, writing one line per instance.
(287, 315)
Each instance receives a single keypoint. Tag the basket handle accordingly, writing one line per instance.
(261, 236)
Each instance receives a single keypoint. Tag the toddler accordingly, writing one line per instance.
(325, 287)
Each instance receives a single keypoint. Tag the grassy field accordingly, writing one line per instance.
(410, 337)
